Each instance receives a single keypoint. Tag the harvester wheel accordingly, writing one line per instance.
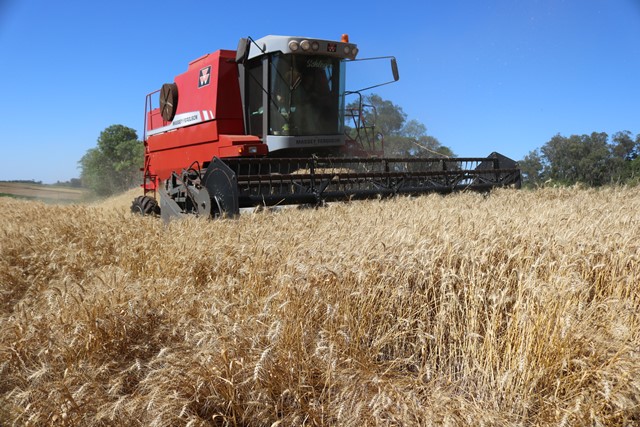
(145, 205)
(168, 101)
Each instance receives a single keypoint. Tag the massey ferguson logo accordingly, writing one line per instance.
(205, 76)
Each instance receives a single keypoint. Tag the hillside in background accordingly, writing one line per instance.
(43, 192)
(516, 308)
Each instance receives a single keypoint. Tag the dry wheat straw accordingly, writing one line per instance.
(520, 308)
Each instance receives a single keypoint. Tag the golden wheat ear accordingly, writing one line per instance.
(519, 308)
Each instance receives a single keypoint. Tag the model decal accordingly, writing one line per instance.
(180, 120)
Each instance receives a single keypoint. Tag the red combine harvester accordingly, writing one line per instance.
(265, 125)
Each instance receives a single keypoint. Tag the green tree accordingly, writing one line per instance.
(625, 147)
(114, 164)
(532, 168)
(593, 159)
(626, 152)
(630, 174)
(389, 118)
(578, 158)
(413, 140)
(401, 137)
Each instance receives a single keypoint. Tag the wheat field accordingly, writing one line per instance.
(520, 308)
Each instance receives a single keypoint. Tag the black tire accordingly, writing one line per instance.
(168, 101)
(145, 205)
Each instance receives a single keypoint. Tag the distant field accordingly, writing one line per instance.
(43, 192)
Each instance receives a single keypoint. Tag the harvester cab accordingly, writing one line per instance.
(265, 125)
(293, 93)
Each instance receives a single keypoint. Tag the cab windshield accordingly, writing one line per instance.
(306, 95)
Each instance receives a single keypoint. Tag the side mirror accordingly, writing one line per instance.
(394, 69)
(242, 53)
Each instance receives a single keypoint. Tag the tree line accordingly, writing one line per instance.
(595, 160)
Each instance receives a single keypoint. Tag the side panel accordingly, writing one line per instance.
(163, 162)
(208, 120)
(211, 84)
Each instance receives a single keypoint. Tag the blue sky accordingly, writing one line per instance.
(483, 76)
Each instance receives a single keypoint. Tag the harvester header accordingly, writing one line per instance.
(266, 125)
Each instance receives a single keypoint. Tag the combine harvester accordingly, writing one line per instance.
(265, 126)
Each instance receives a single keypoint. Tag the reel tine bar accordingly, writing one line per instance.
(273, 181)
